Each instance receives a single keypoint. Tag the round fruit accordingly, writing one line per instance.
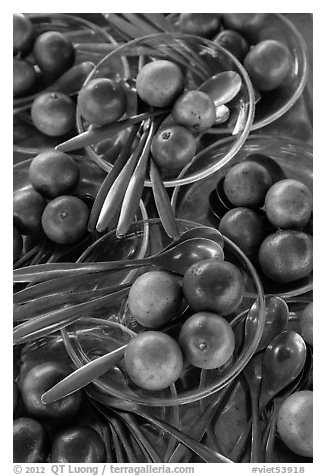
(246, 184)
(65, 219)
(155, 298)
(159, 83)
(249, 24)
(23, 34)
(17, 245)
(80, 444)
(24, 77)
(286, 256)
(288, 204)
(306, 323)
(28, 206)
(153, 360)
(38, 380)
(53, 113)
(275, 170)
(173, 147)
(244, 227)
(211, 285)
(194, 110)
(54, 53)
(233, 42)
(199, 24)
(31, 442)
(295, 422)
(207, 340)
(268, 64)
(101, 101)
(53, 173)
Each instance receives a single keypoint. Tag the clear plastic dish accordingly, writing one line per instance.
(91, 178)
(295, 158)
(200, 59)
(82, 341)
(26, 138)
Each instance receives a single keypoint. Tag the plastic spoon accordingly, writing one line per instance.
(222, 87)
(177, 259)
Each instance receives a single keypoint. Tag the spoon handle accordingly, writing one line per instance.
(45, 272)
(97, 134)
(256, 454)
(118, 189)
(162, 202)
(110, 178)
(135, 187)
(54, 320)
(269, 447)
(83, 376)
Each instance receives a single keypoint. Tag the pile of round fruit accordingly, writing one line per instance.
(39, 62)
(160, 84)
(269, 217)
(213, 289)
(246, 35)
(47, 205)
(56, 432)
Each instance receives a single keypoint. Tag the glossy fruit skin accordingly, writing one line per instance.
(36, 382)
(246, 184)
(286, 256)
(24, 77)
(101, 101)
(65, 219)
(54, 53)
(17, 244)
(207, 340)
(173, 147)
(213, 286)
(268, 64)
(31, 442)
(23, 34)
(306, 323)
(155, 298)
(79, 444)
(288, 204)
(153, 360)
(275, 170)
(53, 113)
(234, 42)
(295, 422)
(159, 83)
(244, 227)
(248, 24)
(28, 206)
(194, 110)
(199, 24)
(53, 173)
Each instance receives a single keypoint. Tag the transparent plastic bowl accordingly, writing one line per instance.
(186, 51)
(274, 104)
(90, 180)
(295, 158)
(82, 340)
(26, 138)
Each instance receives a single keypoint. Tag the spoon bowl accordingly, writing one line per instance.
(284, 359)
(277, 315)
(222, 87)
